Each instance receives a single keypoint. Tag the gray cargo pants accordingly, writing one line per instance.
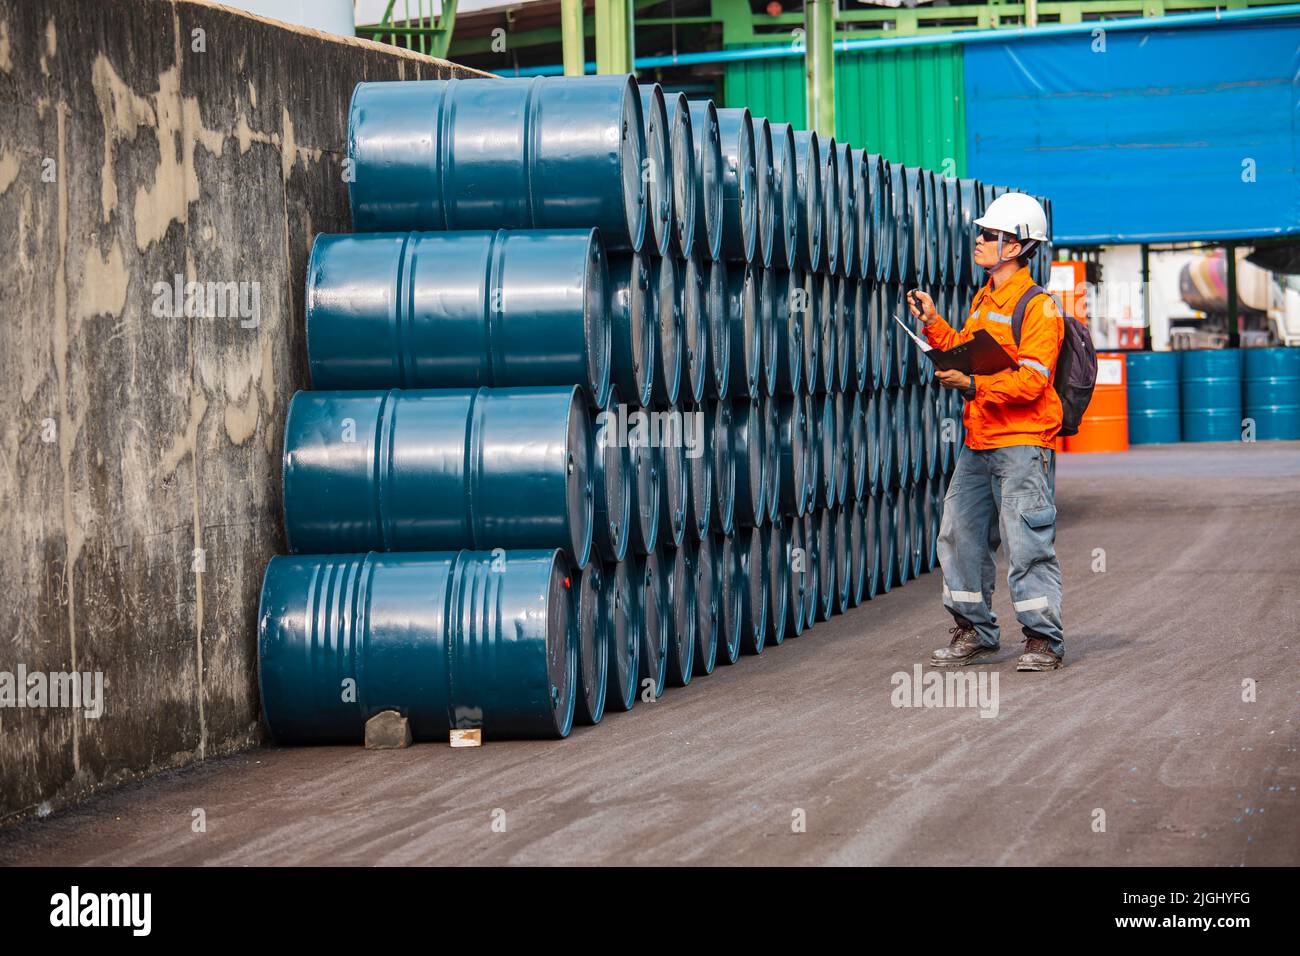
(997, 495)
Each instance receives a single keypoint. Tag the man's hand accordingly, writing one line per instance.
(922, 306)
(953, 379)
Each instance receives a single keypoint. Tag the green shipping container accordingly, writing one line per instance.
(904, 103)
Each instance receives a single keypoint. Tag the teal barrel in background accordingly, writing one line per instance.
(707, 142)
(743, 320)
(633, 332)
(592, 644)
(611, 481)
(731, 589)
(849, 176)
(797, 575)
(841, 304)
(739, 186)
(459, 310)
(858, 302)
(695, 330)
(843, 464)
(885, 538)
(707, 570)
(767, 330)
(679, 572)
(674, 483)
(859, 457)
(832, 240)
(823, 289)
(1154, 405)
(649, 588)
(754, 584)
(697, 424)
(716, 311)
(790, 299)
(751, 482)
(452, 640)
(1272, 392)
(785, 254)
(772, 455)
(813, 571)
(624, 634)
(1211, 395)
(871, 213)
(647, 478)
(808, 180)
(766, 186)
(721, 442)
(658, 172)
(439, 469)
(856, 516)
(871, 545)
(682, 150)
(841, 535)
(776, 541)
(828, 590)
(902, 503)
(539, 153)
(666, 318)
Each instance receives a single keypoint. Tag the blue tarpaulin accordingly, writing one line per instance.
(1153, 135)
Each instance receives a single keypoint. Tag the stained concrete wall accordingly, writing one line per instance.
(139, 452)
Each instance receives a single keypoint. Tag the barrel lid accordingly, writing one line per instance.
(704, 566)
(788, 193)
(778, 570)
(580, 493)
(593, 643)
(659, 198)
(683, 162)
(695, 331)
(612, 473)
(668, 326)
(826, 561)
(829, 335)
(652, 589)
(754, 559)
(722, 441)
(797, 563)
(745, 302)
(717, 316)
(707, 138)
(848, 211)
(624, 634)
(765, 167)
(673, 485)
(831, 208)
(645, 481)
(809, 178)
(596, 319)
(749, 426)
(730, 588)
(748, 186)
(772, 454)
(681, 606)
(632, 153)
(561, 641)
(767, 317)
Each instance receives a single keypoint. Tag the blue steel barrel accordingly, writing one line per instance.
(797, 576)
(843, 466)
(451, 640)
(731, 589)
(1272, 392)
(793, 436)
(841, 558)
(886, 257)
(917, 221)
(667, 377)
(788, 305)
(811, 303)
(885, 538)
(767, 330)
(776, 540)
(714, 292)
(828, 590)
(874, 440)
(459, 310)
(754, 584)
(855, 511)
(674, 484)
(870, 213)
(751, 498)
(1211, 395)
(743, 319)
(439, 469)
(658, 171)
(647, 479)
(849, 176)
(650, 594)
(624, 623)
(858, 301)
(936, 271)
(871, 545)
(679, 572)
(902, 535)
(832, 211)
(825, 290)
(611, 484)
(592, 645)
(808, 179)
(840, 306)
(707, 570)
(706, 137)
(695, 331)
(885, 328)
(902, 232)
(903, 344)
(765, 201)
(785, 254)
(964, 237)
(1154, 409)
(812, 570)
(721, 441)
(873, 307)
(930, 431)
(902, 432)
(813, 456)
(539, 153)
(955, 232)
(682, 152)
(859, 457)
(633, 332)
(916, 527)
(739, 186)
(697, 428)
(916, 447)
(772, 455)
(823, 433)
(888, 442)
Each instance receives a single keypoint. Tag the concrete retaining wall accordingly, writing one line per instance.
(139, 446)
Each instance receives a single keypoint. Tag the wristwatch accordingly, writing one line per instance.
(969, 392)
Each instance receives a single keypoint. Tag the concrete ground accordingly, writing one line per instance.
(1146, 724)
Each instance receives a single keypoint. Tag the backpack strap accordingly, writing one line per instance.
(1018, 314)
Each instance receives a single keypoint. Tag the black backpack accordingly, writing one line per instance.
(1076, 366)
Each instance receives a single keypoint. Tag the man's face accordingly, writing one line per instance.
(986, 247)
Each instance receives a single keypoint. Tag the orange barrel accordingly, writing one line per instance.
(1105, 423)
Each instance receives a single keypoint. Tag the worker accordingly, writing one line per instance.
(1003, 486)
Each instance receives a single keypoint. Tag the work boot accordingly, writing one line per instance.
(963, 649)
(1038, 656)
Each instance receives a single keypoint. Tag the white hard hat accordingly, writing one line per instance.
(1019, 214)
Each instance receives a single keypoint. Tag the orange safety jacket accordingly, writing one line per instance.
(1016, 406)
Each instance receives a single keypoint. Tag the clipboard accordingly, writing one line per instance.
(980, 356)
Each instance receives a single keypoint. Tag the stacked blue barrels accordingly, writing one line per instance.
(1213, 395)
(606, 393)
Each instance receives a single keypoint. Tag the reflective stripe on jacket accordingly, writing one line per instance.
(1017, 406)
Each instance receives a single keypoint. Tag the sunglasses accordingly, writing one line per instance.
(992, 235)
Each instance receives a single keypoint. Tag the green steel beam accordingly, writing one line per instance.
(819, 65)
(575, 54)
(615, 49)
